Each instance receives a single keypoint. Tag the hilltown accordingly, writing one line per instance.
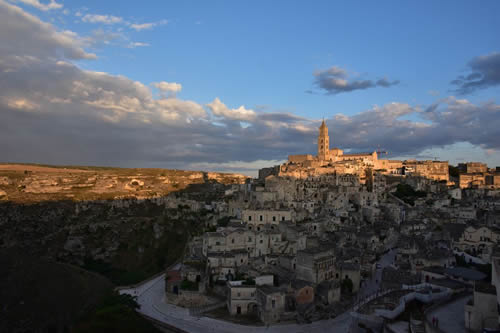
(320, 236)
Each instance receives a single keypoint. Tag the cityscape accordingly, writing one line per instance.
(249, 167)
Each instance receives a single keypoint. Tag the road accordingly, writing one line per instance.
(152, 302)
(151, 297)
(451, 316)
(373, 284)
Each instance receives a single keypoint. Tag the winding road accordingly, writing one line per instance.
(151, 298)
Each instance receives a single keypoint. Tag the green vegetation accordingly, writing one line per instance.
(189, 285)
(346, 285)
(406, 193)
(42, 295)
(249, 282)
(115, 314)
(130, 266)
(223, 221)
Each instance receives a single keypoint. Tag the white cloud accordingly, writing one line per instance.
(147, 26)
(133, 45)
(220, 109)
(105, 19)
(41, 6)
(168, 88)
(143, 26)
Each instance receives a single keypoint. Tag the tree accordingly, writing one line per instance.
(347, 285)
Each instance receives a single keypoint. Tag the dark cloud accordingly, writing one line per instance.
(447, 122)
(335, 80)
(23, 34)
(485, 73)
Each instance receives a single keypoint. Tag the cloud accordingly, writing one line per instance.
(105, 19)
(100, 37)
(220, 109)
(167, 89)
(89, 117)
(147, 26)
(21, 104)
(335, 80)
(133, 45)
(484, 73)
(143, 26)
(44, 7)
(24, 35)
(448, 121)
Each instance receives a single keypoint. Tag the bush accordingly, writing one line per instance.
(116, 314)
(189, 285)
(347, 285)
(249, 282)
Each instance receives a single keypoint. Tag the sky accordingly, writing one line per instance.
(236, 86)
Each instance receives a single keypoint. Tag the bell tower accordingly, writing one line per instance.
(323, 142)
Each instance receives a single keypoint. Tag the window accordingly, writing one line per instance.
(261, 241)
(232, 240)
(249, 239)
(239, 294)
(249, 218)
(217, 243)
(282, 218)
(261, 218)
(274, 303)
(274, 218)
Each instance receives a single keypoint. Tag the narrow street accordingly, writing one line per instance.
(371, 285)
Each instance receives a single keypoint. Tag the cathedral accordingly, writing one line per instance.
(326, 155)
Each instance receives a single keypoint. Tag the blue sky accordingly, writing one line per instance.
(275, 58)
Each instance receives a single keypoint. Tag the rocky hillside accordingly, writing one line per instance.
(124, 224)
(24, 183)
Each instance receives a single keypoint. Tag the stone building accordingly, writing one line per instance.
(482, 311)
(315, 265)
(472, 167)
(471, 180)
(271, 302)
(256, 219)
(241, 298)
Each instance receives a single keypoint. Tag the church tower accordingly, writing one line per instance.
(323, 142)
